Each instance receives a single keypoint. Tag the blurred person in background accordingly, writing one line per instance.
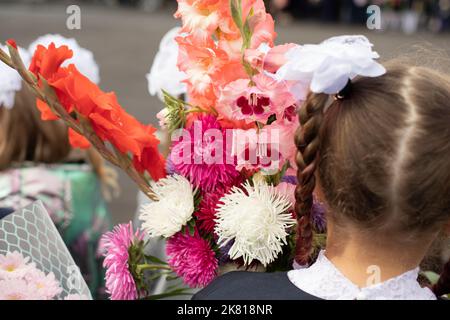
(405, 15)
(37, 163)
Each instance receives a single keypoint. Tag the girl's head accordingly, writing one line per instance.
(381, 156)
(25, 137)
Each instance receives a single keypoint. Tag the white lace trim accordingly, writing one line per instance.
(323, 280)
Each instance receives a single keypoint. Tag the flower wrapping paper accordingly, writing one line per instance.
(31, 233)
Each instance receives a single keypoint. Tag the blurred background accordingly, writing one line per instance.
(124, 36)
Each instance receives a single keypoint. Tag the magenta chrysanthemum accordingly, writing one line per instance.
(201, 155)
(206, 213)
(119, 280)
(192, 258)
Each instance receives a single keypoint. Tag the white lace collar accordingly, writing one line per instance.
(323, 280)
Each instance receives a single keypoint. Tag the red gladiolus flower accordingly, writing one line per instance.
(46, 62)
(77, 140)
(12, 43)
(108, 119)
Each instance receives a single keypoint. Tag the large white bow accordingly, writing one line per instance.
(327, 67)
(164, 73)
(10, 80)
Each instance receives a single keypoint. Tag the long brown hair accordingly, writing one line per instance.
(382, 156)
(24, 137)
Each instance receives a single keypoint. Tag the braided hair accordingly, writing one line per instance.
(308, 142)
(382, 159)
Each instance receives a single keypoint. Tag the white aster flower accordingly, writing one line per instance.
(173, 210)
(256, 219)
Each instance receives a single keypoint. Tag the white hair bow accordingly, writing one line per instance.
(10, 80)
(82, 58)
(327, 67)
(164, 73)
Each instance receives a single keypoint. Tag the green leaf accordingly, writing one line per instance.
(176, 112)
(155, 260)
(172, 278)
(272, 119)
(197, 199)
(236, 12)
(191, 227)
(173, 293)
(246, 35)
(431, 276)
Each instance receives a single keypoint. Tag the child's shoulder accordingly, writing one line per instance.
(242, 285)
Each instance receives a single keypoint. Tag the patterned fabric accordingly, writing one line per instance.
(72, 195)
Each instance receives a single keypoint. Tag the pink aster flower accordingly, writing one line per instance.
(119, 280)
(192, 258)
(240, 100)
(17, 289)
(45, 286)
(201, 156)
(14, 265)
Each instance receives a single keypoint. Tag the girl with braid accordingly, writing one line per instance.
(373, 145)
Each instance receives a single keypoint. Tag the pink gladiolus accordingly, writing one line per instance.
(239, 101)
(275, 57)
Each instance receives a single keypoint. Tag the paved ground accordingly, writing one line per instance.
(124, 42)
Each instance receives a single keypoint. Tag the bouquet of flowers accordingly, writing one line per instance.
(35, 264)
(225, 193)
(229, 194)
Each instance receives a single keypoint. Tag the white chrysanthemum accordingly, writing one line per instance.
(173, 210)
(256, 219)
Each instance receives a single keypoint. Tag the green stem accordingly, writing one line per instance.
(146, 266)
